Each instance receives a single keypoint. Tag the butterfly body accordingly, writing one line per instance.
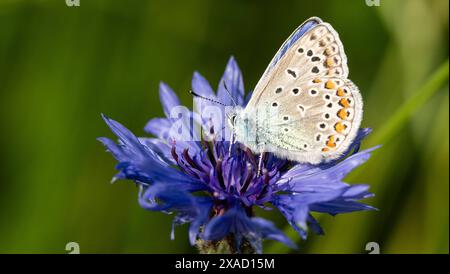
(304, 108)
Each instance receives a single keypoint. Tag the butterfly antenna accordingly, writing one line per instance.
(229, 93)
(206, 98)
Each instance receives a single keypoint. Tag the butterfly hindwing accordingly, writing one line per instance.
(313, 121)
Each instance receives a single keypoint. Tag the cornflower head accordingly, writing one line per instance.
(188, 169)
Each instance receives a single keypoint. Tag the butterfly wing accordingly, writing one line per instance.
(292, 39)
(318, 109)
(312, 122)
(274, 63)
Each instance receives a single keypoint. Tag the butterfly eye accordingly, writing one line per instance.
(233, 119)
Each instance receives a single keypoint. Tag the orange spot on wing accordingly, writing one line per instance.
(342, 113)
(325, 149)
(331, 142)
(329, 62)
(329, 84)
(340, 127)
(317, 81)
(340, 92)
(344, 102)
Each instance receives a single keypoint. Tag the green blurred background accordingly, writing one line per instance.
(60, 67)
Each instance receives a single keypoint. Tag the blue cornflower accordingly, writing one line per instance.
(215, 188)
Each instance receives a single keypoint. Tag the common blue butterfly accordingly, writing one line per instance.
(304, 108)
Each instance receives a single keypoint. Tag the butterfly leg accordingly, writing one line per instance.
(231, 142)
(260, 163)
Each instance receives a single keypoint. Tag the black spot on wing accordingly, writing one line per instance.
(292, 73)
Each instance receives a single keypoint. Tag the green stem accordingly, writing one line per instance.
(400, 118)
(225, 246)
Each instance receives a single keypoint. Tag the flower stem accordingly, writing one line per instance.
(400, 118)
(225, 246)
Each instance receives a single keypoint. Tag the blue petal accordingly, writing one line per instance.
(317, 197)
(139, 159)
(338, 198)
(168, 98)
(236, 221)
(112, 147)
(341, 169)
(202, 87)
(247, 98)
(158, 127)
(161, 127)
(300, 216)
(203, 206)
(126, 137)
(269, 231)
(232, 78)
(131, 172)
(161, 196)
(362, 133)
(288, 213)
(160, 147)
(340, 206)
(174, 198)
(327, 178)
(315, 226)
(355, 191)
(219, 226)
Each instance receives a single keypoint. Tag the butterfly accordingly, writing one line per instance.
(304, 108)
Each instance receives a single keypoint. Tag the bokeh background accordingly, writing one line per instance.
(60, 67)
